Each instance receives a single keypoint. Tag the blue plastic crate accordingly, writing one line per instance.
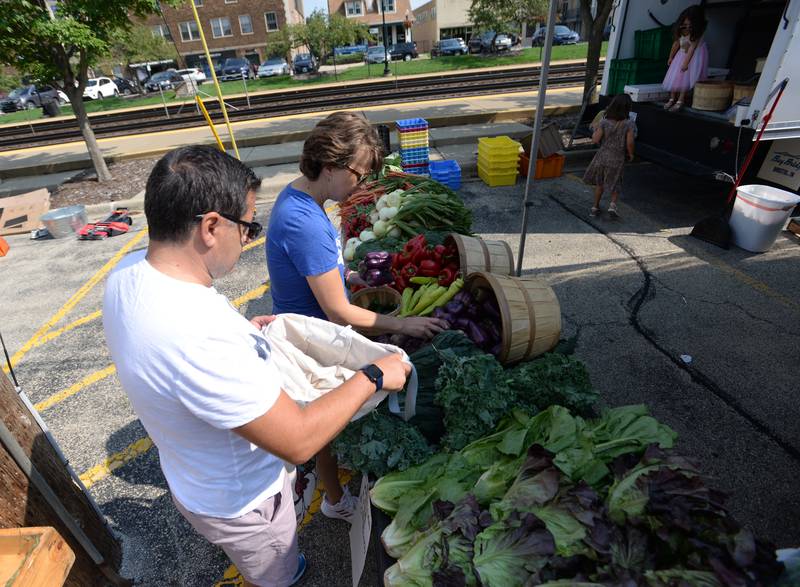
(446, 166)
(417, 170)
(411, 124)
(415, 151)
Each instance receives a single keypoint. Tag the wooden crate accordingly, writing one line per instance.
(34, 557)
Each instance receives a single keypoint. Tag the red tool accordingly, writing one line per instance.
(118, 223)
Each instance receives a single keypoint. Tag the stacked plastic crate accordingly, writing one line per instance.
(414, 145)
(447, 172)
(498, 158)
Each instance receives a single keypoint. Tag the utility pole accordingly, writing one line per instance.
(385, 41)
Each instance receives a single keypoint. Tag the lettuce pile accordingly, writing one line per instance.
(558, 500)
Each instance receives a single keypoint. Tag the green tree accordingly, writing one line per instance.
(61, 46)
(9, 81)
(506, 15)
(321, 33)
(281, 43)
(592, 32)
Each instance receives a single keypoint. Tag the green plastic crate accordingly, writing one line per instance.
(653, 43)
(634, 71)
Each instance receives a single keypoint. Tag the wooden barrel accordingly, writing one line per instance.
(385, 296)
(476, 254)
(743, 91)
(529, 310)
(713, 95)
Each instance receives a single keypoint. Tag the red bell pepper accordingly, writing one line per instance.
(446, 277)
(408, 271)
(439, 252)
(429, 268)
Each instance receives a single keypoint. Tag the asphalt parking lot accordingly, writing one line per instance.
(637, 293)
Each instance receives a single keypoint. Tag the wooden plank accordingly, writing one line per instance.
(21, 504)
(794, 227)
(34, 557)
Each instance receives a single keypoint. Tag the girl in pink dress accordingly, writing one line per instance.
(688, 59)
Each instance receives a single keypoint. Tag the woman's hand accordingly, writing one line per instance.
(685, 66)
(261, 321)
(422, 327)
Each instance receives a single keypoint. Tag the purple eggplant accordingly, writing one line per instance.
(462, 324)
(477, 335)
(439, 313)
(490, 308)
(492, 329)
(454, 307)
(462, 297)
(376, 277)
(497, 349)
(378, 260)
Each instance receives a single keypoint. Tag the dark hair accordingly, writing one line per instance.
(619, 108)
(194, 180)
(335, 141)
(697, 18)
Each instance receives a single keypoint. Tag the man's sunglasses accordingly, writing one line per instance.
(361, 176)
(253, 228)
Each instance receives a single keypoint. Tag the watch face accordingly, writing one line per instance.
(373, 372)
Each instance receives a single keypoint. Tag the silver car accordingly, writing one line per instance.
(376, 54)
(273, 67)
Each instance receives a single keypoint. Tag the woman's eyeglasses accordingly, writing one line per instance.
(362, 177)
(253, 228)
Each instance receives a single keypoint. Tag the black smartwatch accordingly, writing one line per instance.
(375, 375)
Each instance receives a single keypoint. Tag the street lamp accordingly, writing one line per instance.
(385, 44)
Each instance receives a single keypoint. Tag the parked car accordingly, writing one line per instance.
(28, 97)
(376, 54)
(166, 80)
(304, 63)
(404, 51)
(193, 74)
(236, 68)
(273, 67)
(125, 87)
(562, 35)
(98, 88)
(489, 42)
(350, 49)
(449, 47)
(62, 98)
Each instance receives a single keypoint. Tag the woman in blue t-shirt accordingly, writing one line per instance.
(304, 253)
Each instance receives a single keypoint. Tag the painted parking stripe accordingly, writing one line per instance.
(73, 389)
(115, 461)
(231, 577)
(56, 333)
(77, 297)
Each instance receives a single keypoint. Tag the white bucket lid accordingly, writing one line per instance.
(769, 194)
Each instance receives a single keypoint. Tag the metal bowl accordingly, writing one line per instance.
(63, 222)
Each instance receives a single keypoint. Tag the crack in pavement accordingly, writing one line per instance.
(646, 293)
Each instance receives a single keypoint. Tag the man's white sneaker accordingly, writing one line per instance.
(612, 211)
(343, 510)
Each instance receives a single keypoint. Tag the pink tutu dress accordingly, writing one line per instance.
(682, 81)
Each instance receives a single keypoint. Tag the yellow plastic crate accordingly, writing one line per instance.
(499, 158)
(501, 144)
(414, 135)
(494, 179)
(498, 166)
(413, 144)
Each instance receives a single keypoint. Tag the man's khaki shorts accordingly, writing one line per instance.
(262, 543)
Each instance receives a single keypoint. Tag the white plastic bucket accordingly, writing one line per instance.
(759, 214)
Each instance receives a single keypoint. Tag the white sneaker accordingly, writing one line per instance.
(612, 211)
(343, 510)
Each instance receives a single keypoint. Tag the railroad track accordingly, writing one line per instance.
(294, 101)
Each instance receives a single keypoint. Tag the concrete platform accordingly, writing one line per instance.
(282, 131)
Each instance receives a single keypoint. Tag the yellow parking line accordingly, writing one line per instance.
(232, 578)
(77, 297)
(256, 243)
(79, 322)
(115, 461)
(251, 295)
(73, 389)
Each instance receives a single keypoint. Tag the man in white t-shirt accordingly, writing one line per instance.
(199, 374)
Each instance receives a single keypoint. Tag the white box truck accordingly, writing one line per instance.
(743, 37)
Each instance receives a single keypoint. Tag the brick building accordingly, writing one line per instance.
(398, 16)
(233, 28)
(441, 19)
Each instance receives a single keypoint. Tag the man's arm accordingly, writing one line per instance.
(296, 434)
